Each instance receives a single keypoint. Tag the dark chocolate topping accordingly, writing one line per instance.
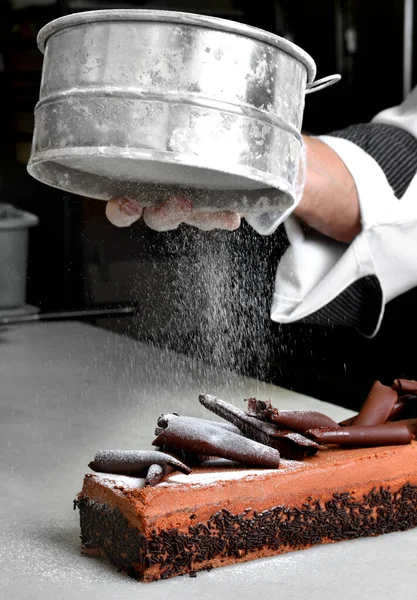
(201, 437)
(250, 427)
(405, 386)
(301, 420)
(378, 405)
(289, 443)
(133, 462)
(259, 436)
(257, 408)
(348, 422)
(405, 408)
(398, 408)
(388, 434)
(411, 425)
(189, 458)
(296, 420)
(156, 473)
(222, 424)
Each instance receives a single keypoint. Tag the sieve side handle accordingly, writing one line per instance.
(322, 83)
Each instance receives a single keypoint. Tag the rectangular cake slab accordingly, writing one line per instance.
(222, 515)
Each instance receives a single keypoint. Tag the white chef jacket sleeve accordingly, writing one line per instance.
(322, 281)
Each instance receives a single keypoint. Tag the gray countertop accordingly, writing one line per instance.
(67, 390)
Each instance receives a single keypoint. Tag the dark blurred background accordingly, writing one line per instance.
(208, 294)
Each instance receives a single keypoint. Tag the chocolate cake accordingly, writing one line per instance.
(153, 518)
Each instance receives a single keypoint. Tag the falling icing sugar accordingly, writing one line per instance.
(215, 297)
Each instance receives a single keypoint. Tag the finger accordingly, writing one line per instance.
(227, 220)
(123, 212)
(169, 214)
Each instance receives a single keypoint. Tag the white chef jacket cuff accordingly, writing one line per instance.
(316, 270)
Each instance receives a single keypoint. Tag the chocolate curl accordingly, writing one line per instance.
(348, 422)
(290, 444)
(295, 420)
(405, 386)
(411, 425)
(226, 426)
(209, 440)
(302, 420)
(251, 428)
(193, 460)
(135, 462)
(156, 473)
(398, 408)
(389, 434)
(378, 405)
(405, 408)
(258, 408)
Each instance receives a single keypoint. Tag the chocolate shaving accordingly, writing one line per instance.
(295, 420)
(348, 422)
(405, 386)
(156, 473)
(300, 420)
(251, 428)
(133, 462)
(258, 437)
(257, 408)
(191, 459)
(200, 437)
(292, 445)
(388, 434)
(382, 404)
(398, 408)
(405, 408)
(226, 426)
(378, 405)
(289, 443)
(411, 425)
